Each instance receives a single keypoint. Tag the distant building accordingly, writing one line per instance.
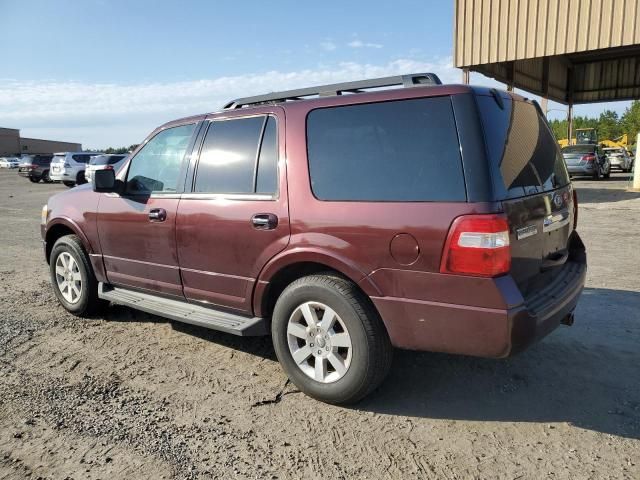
(11, 143)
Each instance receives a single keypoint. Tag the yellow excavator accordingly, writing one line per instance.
(620, 142)
(583, 135)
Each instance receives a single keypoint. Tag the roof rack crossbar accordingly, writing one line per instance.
(411, 80)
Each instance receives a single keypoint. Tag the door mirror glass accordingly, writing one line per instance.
(104, 181)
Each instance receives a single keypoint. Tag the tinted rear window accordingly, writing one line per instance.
(106, 159)
(579, 149)
(521, 147)
(393, 151)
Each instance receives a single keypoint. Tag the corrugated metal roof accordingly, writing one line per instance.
(569, 50)
(489, 31)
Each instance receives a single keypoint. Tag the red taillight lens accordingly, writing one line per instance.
(109, 167)
(477, 245)
(575, 209)
(589, 158)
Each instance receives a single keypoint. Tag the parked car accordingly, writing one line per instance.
(619, 158)
(342, 225)
(9, 162)
(587, 160)
(69, 167)
(35, 167)
(104, 162)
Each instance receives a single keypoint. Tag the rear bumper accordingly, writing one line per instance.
(30, 173)
(485, 332)
(61, 176)
(588, 169)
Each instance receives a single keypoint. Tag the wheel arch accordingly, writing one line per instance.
(60, 227)
(289, 266)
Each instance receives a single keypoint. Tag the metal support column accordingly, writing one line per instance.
(465, 76)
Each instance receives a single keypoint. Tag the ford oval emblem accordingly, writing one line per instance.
(557, 200)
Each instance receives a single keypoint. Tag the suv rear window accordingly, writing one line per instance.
(105, 159)
(394, 151)
(82, 158)
(579, 149)
(521, 147)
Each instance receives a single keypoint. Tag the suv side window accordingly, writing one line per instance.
(393, 151)
(156, 167)
(81, 158)
(239, 156)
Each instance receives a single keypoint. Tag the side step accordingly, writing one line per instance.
(184, 312)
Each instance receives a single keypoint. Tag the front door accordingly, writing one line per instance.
(236, 216)
(137, 228)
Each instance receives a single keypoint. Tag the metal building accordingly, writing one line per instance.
(11, 143)
(569, 51)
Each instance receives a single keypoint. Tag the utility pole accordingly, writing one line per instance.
(636, 173)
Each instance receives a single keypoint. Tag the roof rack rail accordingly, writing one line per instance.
(410, 80)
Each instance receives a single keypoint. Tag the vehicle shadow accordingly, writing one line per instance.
(599, 195)
(586, 375)
(259, 346)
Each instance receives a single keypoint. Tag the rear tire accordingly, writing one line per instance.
(597, 175)
(45, 176)
(72, 277)
(69, 184)
(80, 179)
(346, 354)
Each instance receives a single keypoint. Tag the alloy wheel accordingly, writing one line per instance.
(68, 277)
(319, 342)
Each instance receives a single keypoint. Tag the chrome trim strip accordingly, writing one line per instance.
(555, 221)
(227, 196)
(216, 274)
(110, 257)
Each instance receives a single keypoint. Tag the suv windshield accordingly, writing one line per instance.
(521, 147)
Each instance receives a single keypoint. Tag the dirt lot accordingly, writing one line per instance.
(129, 395)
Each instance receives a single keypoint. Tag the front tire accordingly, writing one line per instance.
(80, 179)
(69, 184)
(330, 340)
(72, 277)
(34, 179)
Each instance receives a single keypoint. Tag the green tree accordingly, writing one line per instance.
(609, 126)
(630, 121)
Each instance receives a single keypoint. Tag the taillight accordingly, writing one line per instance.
(477, 245)
(109, 167)
(589, 158)
(575, 209)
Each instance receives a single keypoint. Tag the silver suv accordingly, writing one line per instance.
(69, 167)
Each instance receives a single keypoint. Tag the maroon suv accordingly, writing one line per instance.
(341, 221)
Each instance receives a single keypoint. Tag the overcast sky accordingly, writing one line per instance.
(106, 72)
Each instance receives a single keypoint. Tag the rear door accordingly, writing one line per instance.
(236, 217)
(532, 181)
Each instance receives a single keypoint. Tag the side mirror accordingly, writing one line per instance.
(104, 181)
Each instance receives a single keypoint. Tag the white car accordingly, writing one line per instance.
(619, 158)
(104, 162)
(69, 167)
(9, 162)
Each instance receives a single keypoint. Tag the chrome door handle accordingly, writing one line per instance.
(157, 215)
(264, 221)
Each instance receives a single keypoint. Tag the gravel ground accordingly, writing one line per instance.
(129, 395)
